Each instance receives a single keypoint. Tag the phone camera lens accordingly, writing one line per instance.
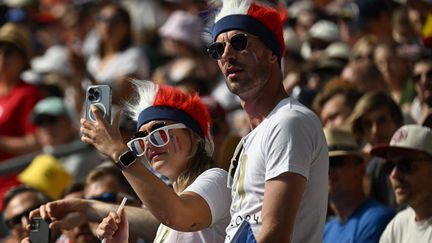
(96, 94)
(92, 98)
(91, 91)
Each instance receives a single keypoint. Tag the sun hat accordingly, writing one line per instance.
(17, 36)
(341, 143)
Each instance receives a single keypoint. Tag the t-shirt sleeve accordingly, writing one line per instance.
(290, 146)
(211, 185)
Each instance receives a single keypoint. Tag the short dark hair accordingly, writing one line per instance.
(14, 191)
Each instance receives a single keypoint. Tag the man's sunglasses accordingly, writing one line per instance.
(417, 77)
(108, 197)
(238, 42)
(158, 138)
(17, 219)
(403, 165)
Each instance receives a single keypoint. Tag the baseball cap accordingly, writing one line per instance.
(52, 106)
(407, 140)
(325, 30)
(341, 143)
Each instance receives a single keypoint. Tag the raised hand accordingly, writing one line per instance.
(114, 228)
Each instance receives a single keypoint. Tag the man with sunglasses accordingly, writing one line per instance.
(409, 164)
(422, 78)
(358, 218)
(18, 202)
(280, 168)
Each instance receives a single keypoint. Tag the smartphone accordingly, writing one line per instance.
(99, 95)
(39, 230)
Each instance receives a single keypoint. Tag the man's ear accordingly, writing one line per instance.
(273, 58)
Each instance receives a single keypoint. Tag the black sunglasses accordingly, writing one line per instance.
(42, 120)
(417, 77)
(8, 49)
(404, 165)
(16, 220)
(238, 42)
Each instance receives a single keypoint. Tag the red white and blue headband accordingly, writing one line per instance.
(262, 21)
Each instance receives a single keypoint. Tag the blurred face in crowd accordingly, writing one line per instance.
(410, 178)
(110, 25)
(246, 71)
(378, 126)
(54, 130)
(334, 112)
(422, 77)
(393, 68)
(17, 211)
(345, 175)
(12, 61)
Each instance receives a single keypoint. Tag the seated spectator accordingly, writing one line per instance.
(409, 164)
(422, 78)
(358, 217)
(18, 202)
(375, 118)
(56, 129)
(335, 103)
(16, 99)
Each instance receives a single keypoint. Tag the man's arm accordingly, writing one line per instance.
(282, 198)
(70, 213)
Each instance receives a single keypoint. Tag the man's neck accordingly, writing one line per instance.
(344, 206)
(423, 211)
(259, 107)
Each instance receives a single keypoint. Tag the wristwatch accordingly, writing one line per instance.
(125, 160)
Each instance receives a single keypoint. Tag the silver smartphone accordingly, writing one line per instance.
(99, 95)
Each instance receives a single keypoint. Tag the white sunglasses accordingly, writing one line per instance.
(158, 138)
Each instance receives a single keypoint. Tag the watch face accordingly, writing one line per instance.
(127, 159)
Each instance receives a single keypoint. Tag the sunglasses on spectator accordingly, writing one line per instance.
(8, 49)
(417, 77)
(238, 42)
(46, 120)
(108, 197)
(17, 219)
(336, 162)
(159, 137)
(403, 165)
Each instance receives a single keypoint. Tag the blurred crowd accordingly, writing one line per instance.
(363, 66)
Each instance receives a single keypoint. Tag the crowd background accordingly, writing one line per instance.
(364, 66)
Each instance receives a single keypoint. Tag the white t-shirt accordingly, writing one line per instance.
(403, 228)
(132, 60)
(210, 185)
(290, 139)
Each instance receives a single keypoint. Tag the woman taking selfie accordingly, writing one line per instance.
(173, 137)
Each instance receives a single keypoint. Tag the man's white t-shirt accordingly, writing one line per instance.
(210, 185)
(290, 139)
(403, 228)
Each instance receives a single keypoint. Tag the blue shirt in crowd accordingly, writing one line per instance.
(365, 225)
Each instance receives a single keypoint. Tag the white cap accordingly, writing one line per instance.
(325, 30)
(408, 139)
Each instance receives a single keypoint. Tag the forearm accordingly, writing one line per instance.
(142, 223)
(19, 145)
(161, 200)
